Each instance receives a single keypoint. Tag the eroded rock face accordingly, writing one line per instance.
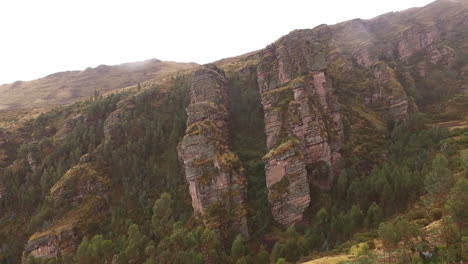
(302, 123)
(79, 182)
(32, 161)
(288, 188)
(414, 40)
(112, 130)
(85, 190)
(50, 245)
(68, 126)
(215, 175)
(65, 233)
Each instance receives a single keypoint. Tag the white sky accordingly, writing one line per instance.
(40, 37)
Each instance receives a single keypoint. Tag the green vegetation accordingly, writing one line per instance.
(248, 142)
(143, 213)
(149, 215)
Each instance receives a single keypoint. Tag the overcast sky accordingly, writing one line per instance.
(42, 37)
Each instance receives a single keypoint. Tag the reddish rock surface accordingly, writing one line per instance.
(215, 175)
(302, 123)
(50, 245)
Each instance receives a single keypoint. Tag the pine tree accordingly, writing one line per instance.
(439, 179)
(136, 243)
(389, 236)
(277, 252)
(262, 256)
(211, 246)
(162, 215)
(374, 215)
(100, 249)
(457, 204)
(238, 248)
(82, 253)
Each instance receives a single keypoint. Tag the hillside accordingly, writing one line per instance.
(67, 87)
(347, 142)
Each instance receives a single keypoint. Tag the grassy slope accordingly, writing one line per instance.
(68, 87)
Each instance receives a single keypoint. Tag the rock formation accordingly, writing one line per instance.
(302, 123)
(84, 188)
(214, 174)
(49, 245)
(68, 126)
(32, 161)
(112, 129)
(77, 183)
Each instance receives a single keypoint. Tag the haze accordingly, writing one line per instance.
(43, 37)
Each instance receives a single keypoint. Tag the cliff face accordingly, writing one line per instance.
(327, 95)
(302, 123)
(214, 174)
(385, 66)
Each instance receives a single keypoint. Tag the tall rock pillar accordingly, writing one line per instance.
(214, 174)
(302, 124)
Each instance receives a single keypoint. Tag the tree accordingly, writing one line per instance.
(464, 160)
(457, 204)
(245, 260)
(33, 260)
(389, 236)
(262, 256)
(439, 179)
(406, 231)
(95, 250)
(278, 252)
(451, 237)
(211, 246)
(162, 215)
(374, 215)
(355, 217)
(238, 248)
(150, 250)
(82, 253)
(281, 261)
(322, 218)
(136, 243)
(365, 256)
(342, 184)
(292, 251)
(101, 249)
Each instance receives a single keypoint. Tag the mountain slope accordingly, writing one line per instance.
(67, 87)
(326, 132)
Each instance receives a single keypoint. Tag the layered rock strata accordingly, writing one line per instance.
(49, 245)
(302, 124)
(85, 189)
(214, 174)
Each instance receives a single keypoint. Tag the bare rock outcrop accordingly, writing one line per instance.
(214, 174)
(112, 125)
(50, 245)
(302, 122)
(85, 189)
(65, 233)
(77, 183)
(68, 126)
(32, 161)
